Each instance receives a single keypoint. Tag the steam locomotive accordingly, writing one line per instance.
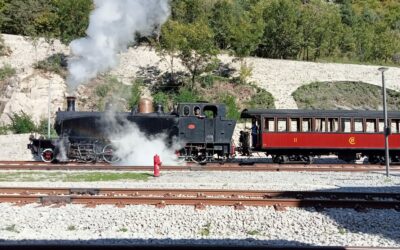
(86, 136)
(206, 134)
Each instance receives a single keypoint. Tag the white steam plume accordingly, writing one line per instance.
(113, 26)
(133, 147)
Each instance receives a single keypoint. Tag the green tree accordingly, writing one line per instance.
(321, 29)
(187, 11)
(169, 44)
(221, 21)
(282, 37)
(72, 18)
(28, 17)
(195, 46)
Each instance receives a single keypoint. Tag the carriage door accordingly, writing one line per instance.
(209, 129)
(210, 113)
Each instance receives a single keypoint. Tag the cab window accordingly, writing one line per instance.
(186, 110)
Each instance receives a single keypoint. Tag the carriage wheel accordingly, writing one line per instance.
(109, 154)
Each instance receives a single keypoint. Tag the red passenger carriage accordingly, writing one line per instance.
(298, 135)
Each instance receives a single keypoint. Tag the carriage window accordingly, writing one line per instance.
(381, 125)
(395, 125)
(333, 125)
(282, 126)
(358, 125)
(346, 125)
(370, 126)
(294, 124)
(320, 125)
(186, 110)
(306, 125)
(269, 125)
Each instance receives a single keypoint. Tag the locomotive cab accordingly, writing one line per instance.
(205, 130)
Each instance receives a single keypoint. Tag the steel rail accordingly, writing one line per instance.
(230, 166)
(202, 198)
(264, 194)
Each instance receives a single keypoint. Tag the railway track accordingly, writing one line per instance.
(231, 166)
(177, 246)
(200, 198)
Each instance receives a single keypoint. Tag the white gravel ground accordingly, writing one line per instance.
(373, 182)
(215, 225)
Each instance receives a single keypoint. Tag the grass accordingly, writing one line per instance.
(387, 180)
(342, 230)
(205, 230)
(6, 72)
(12, 228)
(344, 95)
(123, 230)
(253, 232)
(71, 228)
(71, 177)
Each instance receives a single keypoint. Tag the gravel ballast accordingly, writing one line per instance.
(224, 225)
(215, 225)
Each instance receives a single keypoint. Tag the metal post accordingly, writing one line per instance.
(48, 112)
(386, 129)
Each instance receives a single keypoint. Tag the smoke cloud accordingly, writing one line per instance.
(134, 147)
(113, 26)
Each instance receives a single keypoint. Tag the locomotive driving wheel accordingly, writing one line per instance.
(47, 155)
(199, 159)
(109, 154)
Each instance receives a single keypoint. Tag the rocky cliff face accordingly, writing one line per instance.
(29, 89)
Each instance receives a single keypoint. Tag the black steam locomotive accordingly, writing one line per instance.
(201, 128)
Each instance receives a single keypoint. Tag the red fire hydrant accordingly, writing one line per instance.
(157, 165)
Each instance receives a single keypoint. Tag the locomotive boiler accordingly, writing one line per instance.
(201, 128)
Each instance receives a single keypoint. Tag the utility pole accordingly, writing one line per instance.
(386, 129)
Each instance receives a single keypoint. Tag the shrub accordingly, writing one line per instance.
(22, 123)
(4, 129)
(396, 58)
(262, 99)
(6, 72)
(187, 95)
(245, 72)
(56, 63)
(162, 98)
(232, 110)
(102, 90)
(135, 94)
(42, 128)
(121, 95)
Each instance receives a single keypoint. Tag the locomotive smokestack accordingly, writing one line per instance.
(71, 103)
